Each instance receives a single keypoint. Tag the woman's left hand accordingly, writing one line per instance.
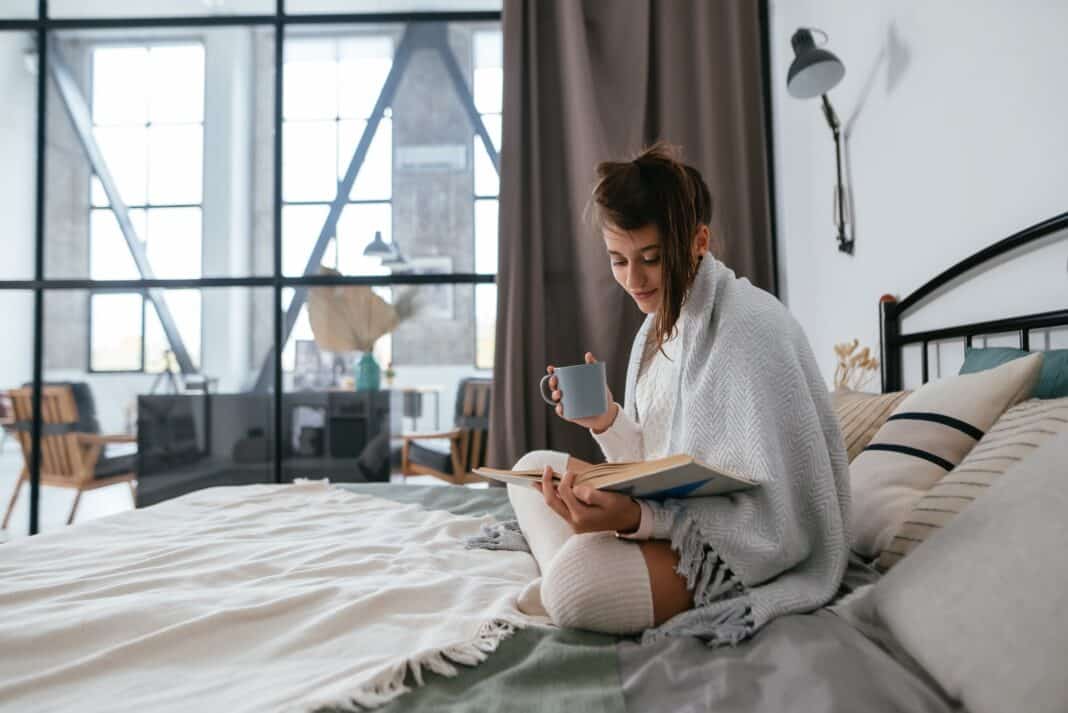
(586, 509)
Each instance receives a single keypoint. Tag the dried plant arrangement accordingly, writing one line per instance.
(855, 368)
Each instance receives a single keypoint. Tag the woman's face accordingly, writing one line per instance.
(635, 258)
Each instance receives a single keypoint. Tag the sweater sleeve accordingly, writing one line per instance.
(622, 441)
(655, 523)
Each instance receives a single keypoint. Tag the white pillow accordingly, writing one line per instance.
(928, 434)
(983, 605)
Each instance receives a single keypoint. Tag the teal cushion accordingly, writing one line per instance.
(1052, 380)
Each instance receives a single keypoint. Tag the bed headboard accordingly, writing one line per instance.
(893, 341)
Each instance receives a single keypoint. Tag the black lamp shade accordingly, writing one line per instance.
(378, 247)
(814, 71)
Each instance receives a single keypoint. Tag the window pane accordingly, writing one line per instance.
(116, 332)
(355, 230)
(125, 151)
(18, 154)
(375, 179)
(310, 78)
(485, 324)
(120, 85)
(16, 369)
(109, 254)
(486, 236)
(174, 242)
(175, 169)
(224, 164)
(176, 81)
(310, 161)
(489, 49)
(320, 6)
(492, 122)
(171, 8)
(301, 225)
(184, 306)
(364, 65)
(487, 183)
(488, 90)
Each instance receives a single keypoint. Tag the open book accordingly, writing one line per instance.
(673, 477)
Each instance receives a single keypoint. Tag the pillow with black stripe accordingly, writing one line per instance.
(1015, 436)
(929, 433)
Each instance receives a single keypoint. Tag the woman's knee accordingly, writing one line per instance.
(537, 460)
(599, 583)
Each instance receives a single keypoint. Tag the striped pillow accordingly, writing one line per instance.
(1019, 432)
(861, 414)
(929, 433)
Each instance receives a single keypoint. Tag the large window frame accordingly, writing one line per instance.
(42, 26)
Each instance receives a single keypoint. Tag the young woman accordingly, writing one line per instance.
(720, 371)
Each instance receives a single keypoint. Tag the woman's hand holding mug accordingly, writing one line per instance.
(599, 422)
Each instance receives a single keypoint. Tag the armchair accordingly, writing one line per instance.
(70, 448)
(467, 439)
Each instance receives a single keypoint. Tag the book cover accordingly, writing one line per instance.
(678, 476)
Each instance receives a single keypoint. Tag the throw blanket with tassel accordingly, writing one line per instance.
(748, 396)
(257, 598)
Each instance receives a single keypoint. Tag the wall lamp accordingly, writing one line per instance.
(814, 72)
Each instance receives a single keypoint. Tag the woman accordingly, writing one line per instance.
(720, 371)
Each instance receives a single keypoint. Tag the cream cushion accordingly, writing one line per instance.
(929, 433)
(982, 605)
(861, 415)
(1016, 435)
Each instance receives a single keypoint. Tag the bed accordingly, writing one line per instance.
(839, 658)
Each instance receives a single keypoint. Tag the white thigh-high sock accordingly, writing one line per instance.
(599, 582)
(546, 532)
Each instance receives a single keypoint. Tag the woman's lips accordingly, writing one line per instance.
(643, 295)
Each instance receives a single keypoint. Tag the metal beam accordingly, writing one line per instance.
(81, 119)
(466, 98)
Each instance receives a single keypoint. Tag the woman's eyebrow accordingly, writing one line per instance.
(654, 246)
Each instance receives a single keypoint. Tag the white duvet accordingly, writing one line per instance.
(256, 598)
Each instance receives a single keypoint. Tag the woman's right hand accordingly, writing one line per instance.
(600, 423)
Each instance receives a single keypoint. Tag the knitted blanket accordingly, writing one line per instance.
(748, 396)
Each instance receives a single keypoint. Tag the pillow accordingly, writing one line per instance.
(1021, 430)
(1052, 382)
(929, 433)
(861, 414)
(982, 605)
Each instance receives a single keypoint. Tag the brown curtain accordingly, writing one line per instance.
(586, 81)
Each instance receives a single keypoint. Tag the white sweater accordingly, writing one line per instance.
(647, 438)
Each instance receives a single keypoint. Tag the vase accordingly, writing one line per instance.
(368, 373)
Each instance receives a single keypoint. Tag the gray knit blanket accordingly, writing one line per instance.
(749, 397)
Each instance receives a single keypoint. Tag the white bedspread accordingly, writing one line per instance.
(256, 598)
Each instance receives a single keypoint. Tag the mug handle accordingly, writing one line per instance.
(546, 396)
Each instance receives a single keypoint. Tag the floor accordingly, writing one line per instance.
(56, 502)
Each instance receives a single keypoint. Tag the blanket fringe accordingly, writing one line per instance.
(389, 683)
(505, 535)
(716, 589)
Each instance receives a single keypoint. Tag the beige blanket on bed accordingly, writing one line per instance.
(256, 598)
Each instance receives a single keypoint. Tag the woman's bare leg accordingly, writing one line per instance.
(670, 596)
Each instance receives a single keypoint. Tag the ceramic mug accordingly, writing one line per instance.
(584, 388)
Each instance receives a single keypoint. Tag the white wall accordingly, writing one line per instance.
(18, 133)
(956, 118)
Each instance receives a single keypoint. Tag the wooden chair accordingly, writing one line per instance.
(467, 440)
(70, 458)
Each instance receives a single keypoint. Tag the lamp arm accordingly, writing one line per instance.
(845, 243)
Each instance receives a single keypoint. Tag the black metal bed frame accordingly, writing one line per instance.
(891, 311)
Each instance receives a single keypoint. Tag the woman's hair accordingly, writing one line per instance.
(656, 188)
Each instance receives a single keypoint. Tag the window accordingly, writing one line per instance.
(488, 87)
(331, 86)
(148, 119)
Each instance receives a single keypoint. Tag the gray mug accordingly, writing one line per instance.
(584, 388)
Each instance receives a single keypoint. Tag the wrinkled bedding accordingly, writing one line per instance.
(834, 659)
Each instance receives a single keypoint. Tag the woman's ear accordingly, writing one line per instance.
(702, 239)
